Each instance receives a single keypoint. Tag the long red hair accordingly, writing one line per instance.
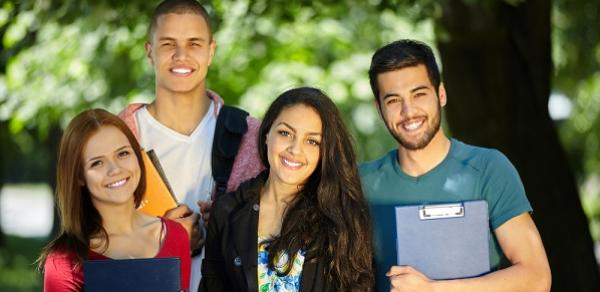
(79, 218)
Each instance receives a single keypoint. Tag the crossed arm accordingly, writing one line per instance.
(520, 242)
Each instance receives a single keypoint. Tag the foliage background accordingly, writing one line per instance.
(59, 57)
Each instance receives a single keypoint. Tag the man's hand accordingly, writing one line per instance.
(189, 220)
(205, 207)
(407, 279)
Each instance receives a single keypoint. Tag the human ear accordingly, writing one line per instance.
(212, 48)
(148, 48)
(442, 95)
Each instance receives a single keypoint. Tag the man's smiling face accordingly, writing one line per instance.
(181, 50)
(410, 106)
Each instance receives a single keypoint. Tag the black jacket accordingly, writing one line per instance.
(231, 255)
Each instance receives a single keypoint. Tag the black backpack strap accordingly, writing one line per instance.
(231, 127)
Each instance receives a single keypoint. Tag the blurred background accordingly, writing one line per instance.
(522, 76)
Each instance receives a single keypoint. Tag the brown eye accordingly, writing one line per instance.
(313, 142)
(391, 101)
(96, 163)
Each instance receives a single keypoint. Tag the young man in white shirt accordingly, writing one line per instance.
(179, 125)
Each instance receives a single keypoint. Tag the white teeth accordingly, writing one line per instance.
(290, 163)
(181, 70)
(413, 125)
(117, 183)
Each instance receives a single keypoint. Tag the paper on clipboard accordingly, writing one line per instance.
(444, 241)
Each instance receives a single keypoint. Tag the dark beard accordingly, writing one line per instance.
(427, 136)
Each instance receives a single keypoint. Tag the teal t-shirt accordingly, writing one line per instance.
(467, 173)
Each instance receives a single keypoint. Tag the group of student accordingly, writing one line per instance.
(294, 212)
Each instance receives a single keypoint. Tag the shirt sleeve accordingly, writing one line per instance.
(60, 275)
(503, 190)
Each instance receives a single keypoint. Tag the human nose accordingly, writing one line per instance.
(180, 53)
(295, 146)
(406, 107)
(113, 167)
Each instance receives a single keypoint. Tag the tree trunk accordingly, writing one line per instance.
(497, 65)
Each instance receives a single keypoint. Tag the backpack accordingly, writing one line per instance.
(230, 128)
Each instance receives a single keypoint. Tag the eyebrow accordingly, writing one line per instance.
(192, 39)
(294, 129)
(419, 88)
(119, 149)
(393, 94)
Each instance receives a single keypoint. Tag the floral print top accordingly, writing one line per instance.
(269, 281)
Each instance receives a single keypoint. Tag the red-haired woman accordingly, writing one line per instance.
(100, 182)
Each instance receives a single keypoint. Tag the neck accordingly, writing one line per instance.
(418, 162)
(181, 112)
(278, 193)
(121, 219)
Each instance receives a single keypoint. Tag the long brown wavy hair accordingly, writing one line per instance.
(78, 217)
(329, 217)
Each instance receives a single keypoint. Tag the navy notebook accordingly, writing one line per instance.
(444, 241)
(154, 274)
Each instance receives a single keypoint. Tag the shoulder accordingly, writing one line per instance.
(247, 162)
(480, 158)
(61, 274)
(253, 124)
(215, 97)
(128, 116)
(129, 110)
(499, 181)
(369, 168)
(59, 259)
(173, 228)
(248, 148)
(247, 191)
(252, 132)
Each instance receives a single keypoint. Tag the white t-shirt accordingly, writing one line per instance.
(186, 161)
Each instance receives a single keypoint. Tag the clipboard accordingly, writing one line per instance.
(444, 241)
(148, 275)
(158, 197)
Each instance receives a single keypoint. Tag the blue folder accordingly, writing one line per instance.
(153, 274)
(444, 241)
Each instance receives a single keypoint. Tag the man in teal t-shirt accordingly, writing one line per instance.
(429, 168)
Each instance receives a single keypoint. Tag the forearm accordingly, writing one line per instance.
(519, 277)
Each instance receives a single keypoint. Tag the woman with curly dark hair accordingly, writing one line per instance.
(302, 224)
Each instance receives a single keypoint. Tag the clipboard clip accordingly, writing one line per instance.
(441, 211)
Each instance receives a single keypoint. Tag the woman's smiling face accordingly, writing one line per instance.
(293, 145)
(111, 170)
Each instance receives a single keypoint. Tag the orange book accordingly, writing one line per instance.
(158, 197)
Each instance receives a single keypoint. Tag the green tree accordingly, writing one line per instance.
(59, 57)
(498, 67)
